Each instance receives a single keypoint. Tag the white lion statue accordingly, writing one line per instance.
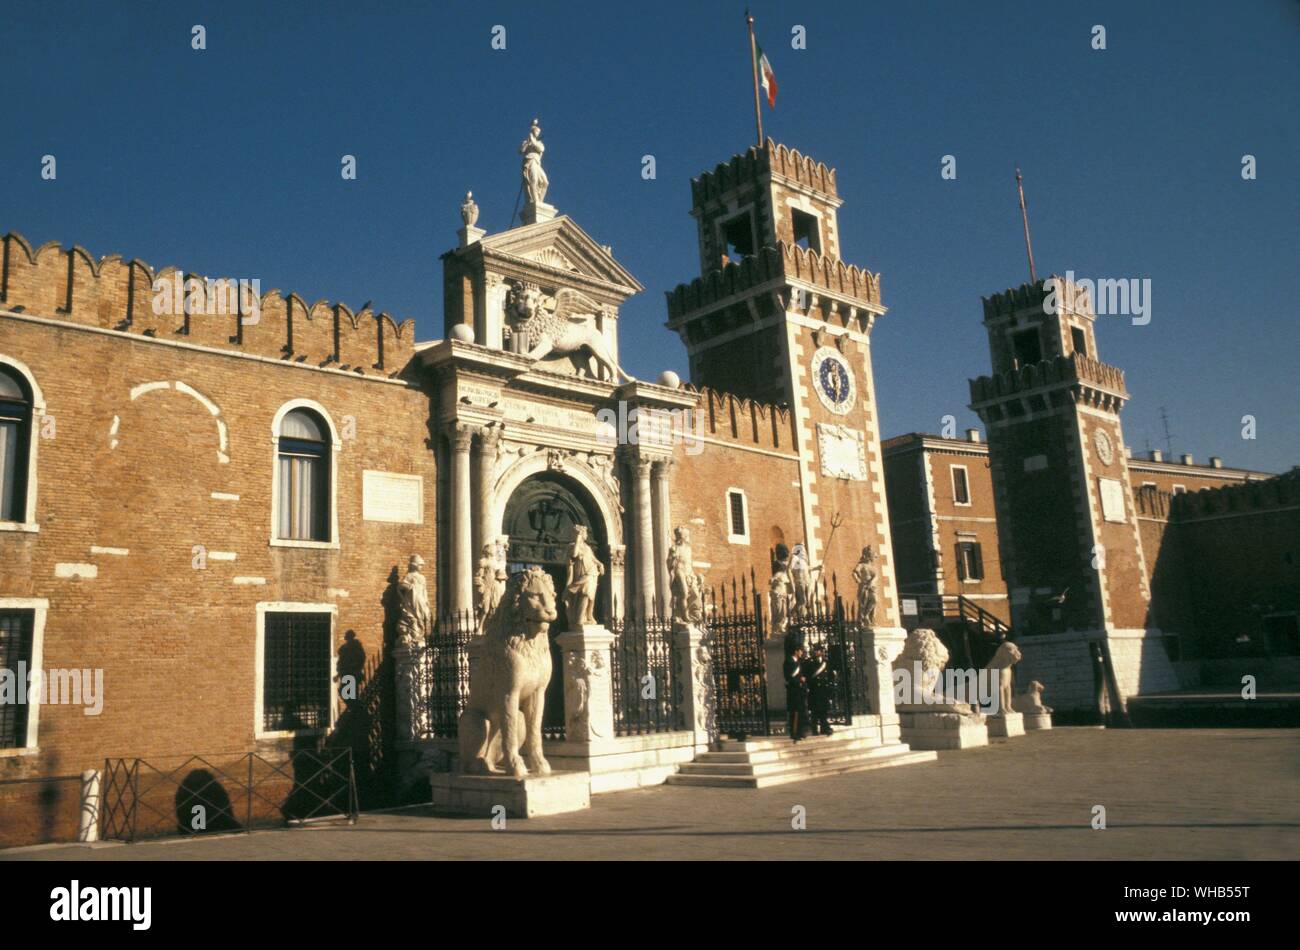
(1007, 656)
(924, 648)
(507, 693)
(1030, 702)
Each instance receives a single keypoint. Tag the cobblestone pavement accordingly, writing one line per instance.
(1175, 793)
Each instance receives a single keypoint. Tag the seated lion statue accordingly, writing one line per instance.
(1031, 702)
(924, 648)
(507, 691)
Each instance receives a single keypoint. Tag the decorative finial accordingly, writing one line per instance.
(469, 210)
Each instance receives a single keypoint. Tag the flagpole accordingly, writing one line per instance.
(753, 61)
(1024, 215)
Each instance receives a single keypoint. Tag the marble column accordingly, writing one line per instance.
(489, 443)
(662, 518)
(461, 436)
(644, 540)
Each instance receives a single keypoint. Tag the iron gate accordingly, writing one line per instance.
(735, 640)
(647, 694)
(825, 623)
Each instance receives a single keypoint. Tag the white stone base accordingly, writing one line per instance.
(941, 730)
(528, 797)
(1006, 725)
(1037, 721)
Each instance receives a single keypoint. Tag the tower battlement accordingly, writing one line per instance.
(755, 165)
(170, 304)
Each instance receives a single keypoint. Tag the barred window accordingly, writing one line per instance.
(15, 657)
(737, 515)
(15, 443)
(296, 671)
(304, 474)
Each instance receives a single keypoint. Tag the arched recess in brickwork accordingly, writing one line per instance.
(145, 388)
(15, 365)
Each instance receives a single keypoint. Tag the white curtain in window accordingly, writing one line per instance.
(300, 517)
(8, 471)
(306, 498)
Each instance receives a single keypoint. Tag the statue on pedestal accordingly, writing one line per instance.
(489, 582)
(415, 620)
(469, 210)
(779, 602)
(801, 580)
(535, 180)
(683, 583)
(923, 660)
(1007, 656)
(864, 575)
(585, 570)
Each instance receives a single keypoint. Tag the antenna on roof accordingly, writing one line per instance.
(1024, 216)
(1169, 444)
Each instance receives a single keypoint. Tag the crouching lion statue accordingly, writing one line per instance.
(507, 692)
(1030, 702)
(1007, 656)
(925, 652)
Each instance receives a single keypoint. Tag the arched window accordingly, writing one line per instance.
(304, 477)
(15, 443)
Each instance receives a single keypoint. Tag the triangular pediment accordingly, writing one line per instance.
(560, 247)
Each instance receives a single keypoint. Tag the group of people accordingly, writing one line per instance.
(809, 690)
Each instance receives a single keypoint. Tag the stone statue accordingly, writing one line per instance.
(489, 582)
(507, 693)
(864, 575)
(924, 650)
(801, 580)
(1031, 702)
(683, 583)
(561, 325)
(585, 570)
(535, 180)
(779, 602)
(469, 210)
(1007, 656)
(415, 620)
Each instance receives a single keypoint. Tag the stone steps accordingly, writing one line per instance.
(765, 762)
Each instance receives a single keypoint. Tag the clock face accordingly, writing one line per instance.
(833, 380)
(1105, 451)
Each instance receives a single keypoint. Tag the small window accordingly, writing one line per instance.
(304, 477)
(1080, 340)
(296, 671)
(1180, 489)
(1027, 347)
(738, 237)
(737, 516)
(807, 233)
(960, 489)
(16, 658)
(15, 443)
(970, 562)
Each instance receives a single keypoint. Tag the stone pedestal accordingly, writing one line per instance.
(1037, 721)
(527, 797)
(536, 212)
(694, 667)
(1006, 725)
(412, 694)
(926, 729)
(470, 235)
(774, 651)
(588, 686)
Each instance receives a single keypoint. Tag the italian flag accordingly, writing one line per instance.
(766, 75)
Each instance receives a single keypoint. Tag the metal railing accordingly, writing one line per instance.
(647, 695)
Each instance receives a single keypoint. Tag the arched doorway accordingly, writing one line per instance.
(541, 520)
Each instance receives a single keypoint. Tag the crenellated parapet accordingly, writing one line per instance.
(1092, 380)
(755, 165)
(170, 304)
(1270, 494)
(1046, 296)
(775, 266)
(749, 422)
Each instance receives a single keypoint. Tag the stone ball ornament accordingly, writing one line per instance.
(462, 333)
(670, 379)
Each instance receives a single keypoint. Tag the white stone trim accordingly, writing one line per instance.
(33, 443)
(259, 665)
(336, 446)
(40, 607)
(114, 552)
(952, 478)
(732, 537)
(67, 569)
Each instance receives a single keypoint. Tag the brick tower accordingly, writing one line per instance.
(1067, 525)
(777, 317)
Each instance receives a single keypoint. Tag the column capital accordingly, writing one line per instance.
(662, 467)
(461, 434)
(489, 440)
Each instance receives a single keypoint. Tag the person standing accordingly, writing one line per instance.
(821, 691)
(796, 692)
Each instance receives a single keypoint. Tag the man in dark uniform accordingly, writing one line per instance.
(796, 692)
(821, 691)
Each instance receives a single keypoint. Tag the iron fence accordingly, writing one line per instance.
(220, 794)
(439, 672)
(647, 693)
(735, 639)
(825, 622)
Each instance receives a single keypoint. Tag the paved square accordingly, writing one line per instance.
(1178, 793)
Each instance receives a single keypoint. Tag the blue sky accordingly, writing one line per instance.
(226, 161)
